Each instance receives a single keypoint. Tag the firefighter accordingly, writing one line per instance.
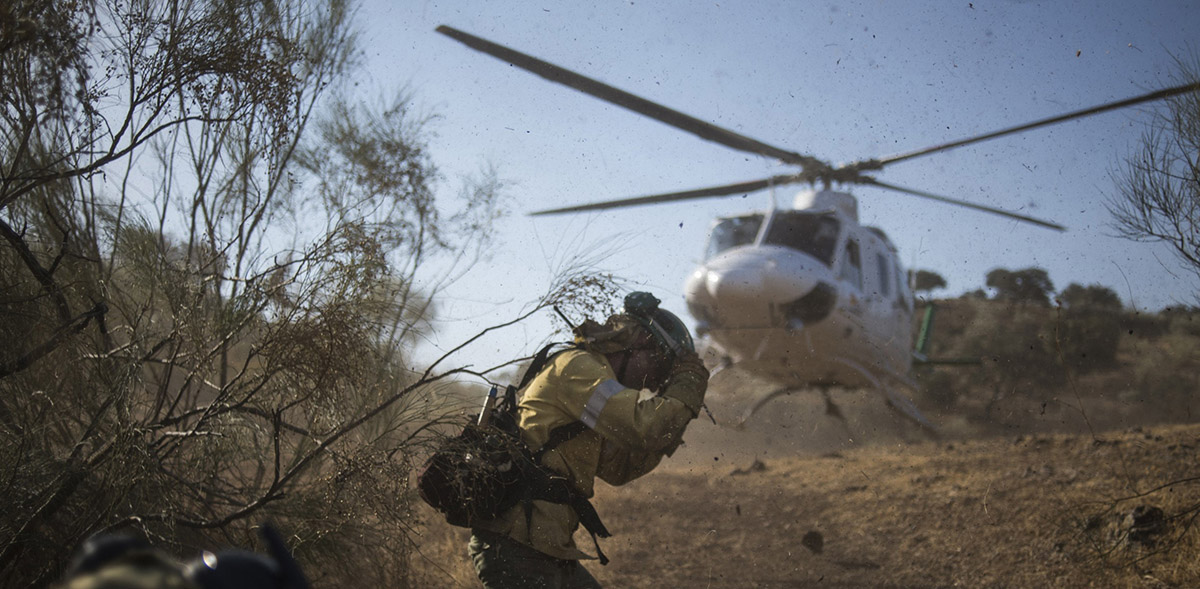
(598, 383)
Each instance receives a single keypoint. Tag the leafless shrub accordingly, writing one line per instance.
(1158, 189)
(1152, 527)
(209, 309)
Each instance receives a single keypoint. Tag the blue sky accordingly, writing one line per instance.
(841, 81)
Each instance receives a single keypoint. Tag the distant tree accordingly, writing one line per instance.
(978, 294)
(926, 280)
(1093, 296)
(1158, 190)
(1030, 285)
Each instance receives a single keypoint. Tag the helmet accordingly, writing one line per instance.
(623, 330)
(668, 331)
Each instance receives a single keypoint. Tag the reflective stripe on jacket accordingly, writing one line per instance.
(627, 437)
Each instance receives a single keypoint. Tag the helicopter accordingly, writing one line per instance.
(804, 296)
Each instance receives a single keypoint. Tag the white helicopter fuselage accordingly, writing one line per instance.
(805, 296)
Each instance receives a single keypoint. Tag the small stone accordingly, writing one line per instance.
(813, 541)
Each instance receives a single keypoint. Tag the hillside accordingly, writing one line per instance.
(1138, 367)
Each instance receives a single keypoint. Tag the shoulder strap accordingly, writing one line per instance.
(508, 404)
(539, 362)
(560, 435)
(557, 488)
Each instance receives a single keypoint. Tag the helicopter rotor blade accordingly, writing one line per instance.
(1156, 95)
(962, 203)
(710, 192)
(629, 101)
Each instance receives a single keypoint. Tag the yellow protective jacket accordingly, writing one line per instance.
(626, 438)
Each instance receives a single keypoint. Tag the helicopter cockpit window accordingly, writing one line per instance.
(731, 232)
(814, 234)
(852, 264)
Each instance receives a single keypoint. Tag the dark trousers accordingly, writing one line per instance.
(504, 563)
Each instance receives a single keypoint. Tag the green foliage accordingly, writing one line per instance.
(1030, 285)
(1183, 320)
(1038, 353)
(1092, 296)
(1087, 339)
(926, 280)
(1165, 370)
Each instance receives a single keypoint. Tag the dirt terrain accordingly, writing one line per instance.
(1070, 493)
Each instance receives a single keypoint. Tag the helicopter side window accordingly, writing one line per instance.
(815, 235)
(852, 264)
(885, 276)
(731, 232)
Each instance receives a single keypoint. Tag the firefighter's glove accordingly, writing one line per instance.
(688, 382)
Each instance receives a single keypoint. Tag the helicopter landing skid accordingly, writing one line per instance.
(895, 400)
(831, 408)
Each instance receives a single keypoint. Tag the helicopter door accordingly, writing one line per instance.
(891, 298)
(851, 270)
(884, 273)
(886, 319)
(851, 274)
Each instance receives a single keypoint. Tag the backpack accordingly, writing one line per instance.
(486, 470)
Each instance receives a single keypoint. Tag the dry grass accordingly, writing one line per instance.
(982, 507)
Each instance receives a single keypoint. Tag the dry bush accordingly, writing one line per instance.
(209, 304)
(1051, 354)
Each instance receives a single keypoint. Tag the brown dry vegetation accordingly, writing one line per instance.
(1030, 490)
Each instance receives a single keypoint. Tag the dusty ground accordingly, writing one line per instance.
(1041, 496)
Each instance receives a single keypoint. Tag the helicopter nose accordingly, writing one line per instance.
(737, 284)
